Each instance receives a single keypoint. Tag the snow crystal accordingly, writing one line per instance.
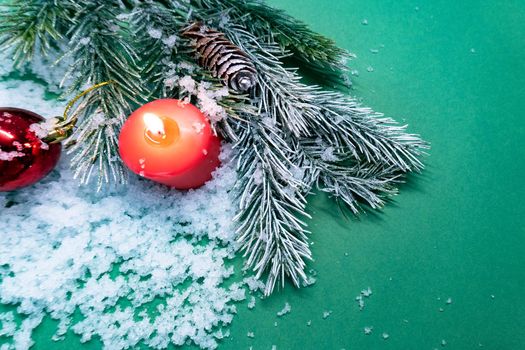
(327, 314)
(184, 102)
(224, 20)
(208, 99)
(368, 330)
(8, 324)
(188, 84)
(385, 336)
(258, 175)
(9, 156)
(365, 293)
(253, 284)
(170, 41)
(251, 304)
(449, 301)
(154, 33)
(309, 281)
(18, 145)
(285, 310)
(41, 130)
(269, 121)
(328, 155)
(250, 335)
(190, 68)
(171, 81)
(62, 245)
(85, 41)
(297, 172)
(198, 127)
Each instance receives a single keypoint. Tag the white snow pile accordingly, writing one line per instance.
(142, 264)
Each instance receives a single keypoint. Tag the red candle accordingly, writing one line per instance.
(170, 142)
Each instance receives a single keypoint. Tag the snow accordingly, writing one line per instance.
(365, 293)
(85, 41)
(328, 155)
(188, 84)
(285, 310)
(139, 264)
(41, 130)
(258, 175)
(208, 101)
(170, 41)
(9, 156)
(198, 127)
(155, 33)
(208, 97)
(254, 284)
(7, 321)
(251, 303)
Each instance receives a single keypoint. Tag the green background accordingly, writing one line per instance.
(455, 71)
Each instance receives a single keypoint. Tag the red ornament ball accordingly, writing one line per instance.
(170, 142)
(24, 158)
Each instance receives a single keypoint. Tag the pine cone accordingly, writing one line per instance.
(224, 59)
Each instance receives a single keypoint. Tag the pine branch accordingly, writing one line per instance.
(308, 111)
(353, 183)
(379, 148)
(28, 25)
(312, 50)
(270, 233)
(156, 27)
(100, 52)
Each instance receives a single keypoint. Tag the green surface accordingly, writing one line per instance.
(455, 71)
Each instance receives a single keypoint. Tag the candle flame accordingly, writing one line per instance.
(154, 124)
(155, 129)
